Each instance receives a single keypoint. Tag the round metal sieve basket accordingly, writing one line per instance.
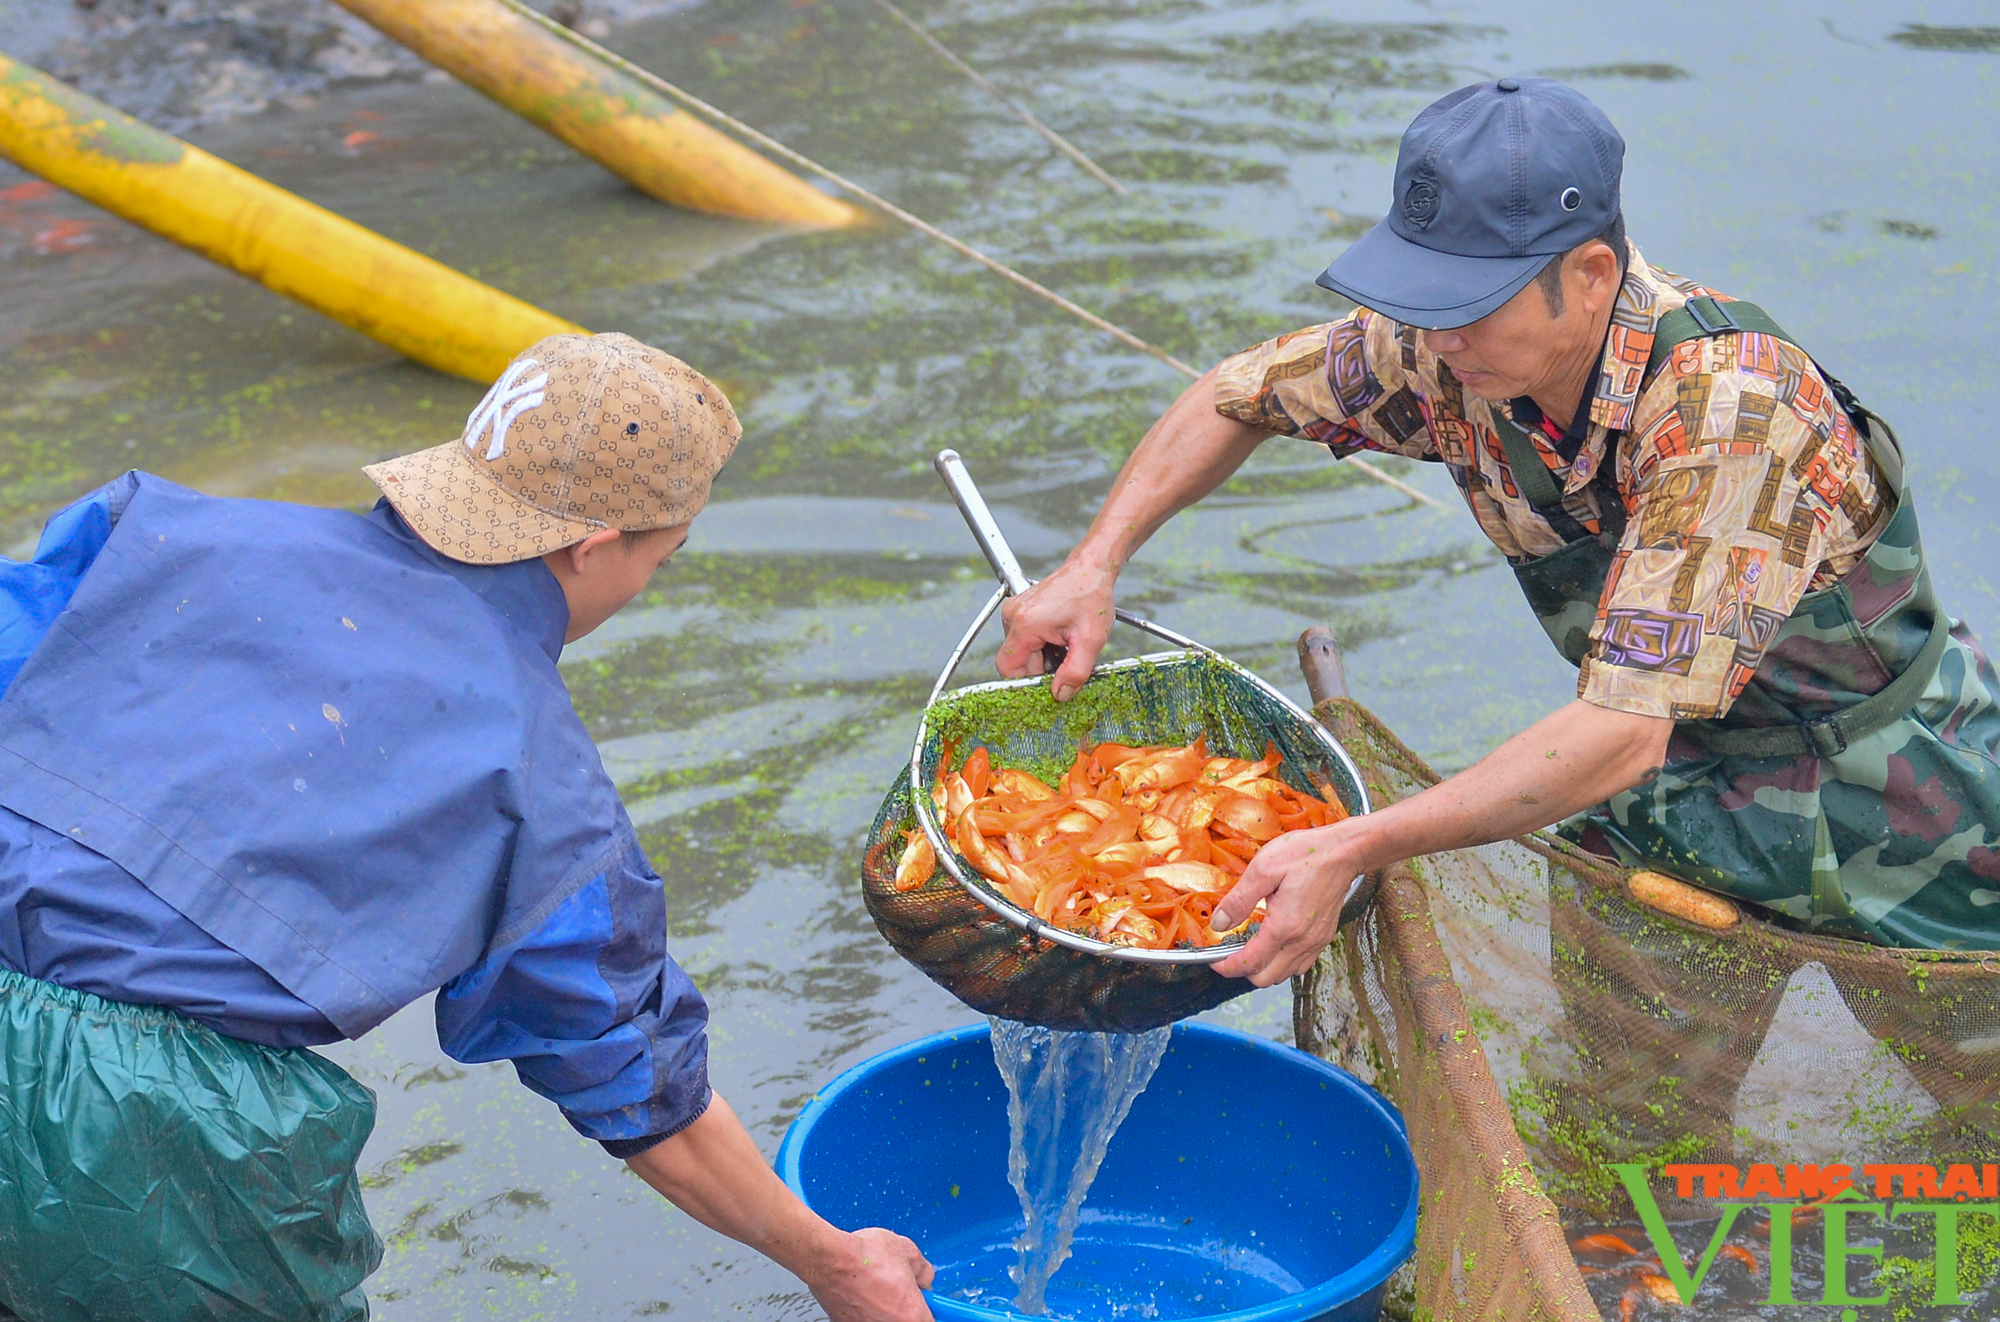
(1161, 698)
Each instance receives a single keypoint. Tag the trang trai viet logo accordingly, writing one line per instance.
(1878, 1196)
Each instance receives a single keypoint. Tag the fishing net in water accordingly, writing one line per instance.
(1535, 1024)
(975, 946)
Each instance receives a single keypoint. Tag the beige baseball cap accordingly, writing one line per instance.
(581, 432)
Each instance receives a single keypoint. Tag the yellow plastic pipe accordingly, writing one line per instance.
(416, 306)
(608, 116)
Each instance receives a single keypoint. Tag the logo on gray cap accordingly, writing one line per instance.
(1420, 202)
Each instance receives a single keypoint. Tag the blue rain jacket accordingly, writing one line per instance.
(287, 770)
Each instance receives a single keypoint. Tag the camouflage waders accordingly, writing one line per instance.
(1853, 785)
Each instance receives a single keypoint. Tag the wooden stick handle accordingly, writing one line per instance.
(1319, 660)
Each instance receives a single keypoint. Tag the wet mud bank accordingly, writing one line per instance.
(181, 64)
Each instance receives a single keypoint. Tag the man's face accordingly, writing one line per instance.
(1520, 348)
(1507, 352)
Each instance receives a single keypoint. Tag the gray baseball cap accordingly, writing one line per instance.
(1492, 182)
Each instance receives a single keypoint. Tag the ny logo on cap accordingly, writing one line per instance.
(509, 399)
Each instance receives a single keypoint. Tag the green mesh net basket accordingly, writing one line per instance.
(1001, 959)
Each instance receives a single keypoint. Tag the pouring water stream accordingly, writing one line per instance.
(1067, 1094)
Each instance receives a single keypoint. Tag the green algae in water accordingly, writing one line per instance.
(1922, 36)
(1576, 1148)
(1911, 1282)
(1645, 72)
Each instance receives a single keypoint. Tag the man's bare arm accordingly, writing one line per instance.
(712, 1171)
(1579, 756)
(1188, 453)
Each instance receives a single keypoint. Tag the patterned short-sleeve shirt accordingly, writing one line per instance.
(1744, 484)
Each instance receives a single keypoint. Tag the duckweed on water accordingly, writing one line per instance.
(1574, 1151)
(1646, 72)
(1911, 1282)
(759, 585)
(1922, 36)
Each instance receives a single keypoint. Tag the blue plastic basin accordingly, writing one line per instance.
(1251, 1182)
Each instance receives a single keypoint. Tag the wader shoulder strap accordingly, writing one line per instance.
(1702, 317)
(1531, 476)
(1826, 735)
(1539, 488)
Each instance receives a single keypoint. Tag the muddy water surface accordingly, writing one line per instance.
(1833, 161)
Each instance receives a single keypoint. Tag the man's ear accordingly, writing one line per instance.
(578, 554)
(1595, 271)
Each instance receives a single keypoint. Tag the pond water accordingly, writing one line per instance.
(1832, 161)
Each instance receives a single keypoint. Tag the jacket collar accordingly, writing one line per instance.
(1621, 373)
(526, 594)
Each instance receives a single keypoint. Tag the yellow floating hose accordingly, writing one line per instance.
(602, 112)
(416, 306)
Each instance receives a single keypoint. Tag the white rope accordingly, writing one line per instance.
(1021, 112)
(806, 163)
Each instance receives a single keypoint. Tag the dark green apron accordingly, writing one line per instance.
(153, 1170)
(1852, 785)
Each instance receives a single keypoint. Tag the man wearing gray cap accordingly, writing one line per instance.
(1770, 702)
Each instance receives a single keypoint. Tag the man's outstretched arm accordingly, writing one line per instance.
(1579, 756)
(712, 1171)
(1188, 453)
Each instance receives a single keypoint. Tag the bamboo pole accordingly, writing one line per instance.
(602, 112)
(417, 306)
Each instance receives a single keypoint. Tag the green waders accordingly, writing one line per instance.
(1852, 786)
(153, 1170)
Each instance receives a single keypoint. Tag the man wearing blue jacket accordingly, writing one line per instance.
(270, 773)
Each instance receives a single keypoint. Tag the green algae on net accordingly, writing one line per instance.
(1019, 720)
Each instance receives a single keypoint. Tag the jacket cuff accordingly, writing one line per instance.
(624, 1149)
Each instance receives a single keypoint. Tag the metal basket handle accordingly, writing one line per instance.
(1013, 582)
(972, 505)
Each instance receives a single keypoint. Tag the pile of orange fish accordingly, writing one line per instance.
(1134, 846)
